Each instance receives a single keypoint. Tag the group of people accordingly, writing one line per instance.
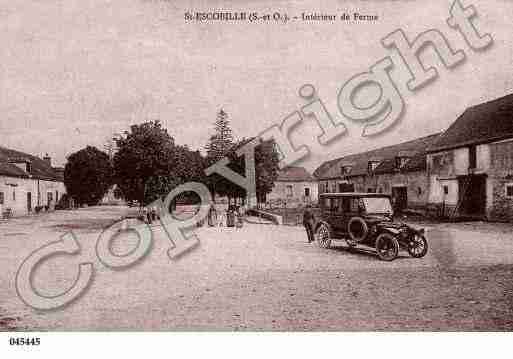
(148, 215)
(232, 217)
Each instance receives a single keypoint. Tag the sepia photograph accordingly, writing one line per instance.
(186, 166)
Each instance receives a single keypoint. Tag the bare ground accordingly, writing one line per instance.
(266, 277)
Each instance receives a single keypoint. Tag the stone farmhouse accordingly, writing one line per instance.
(28, 183)
(470, 166)
(466, 172)
(398, 170)
(294, 187)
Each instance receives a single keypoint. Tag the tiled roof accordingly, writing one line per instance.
(324, 167)
(416, 162)
(487, 122)
(8, 169)
(416, 149)
(40, 169)
(295, 174)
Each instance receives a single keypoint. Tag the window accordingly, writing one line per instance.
(372, 165)
(335, 204)
(355, 205)
(56, 196)
(419, 191)
(472, 158)
(307, 192)
(289, 192)
(327, 187)
(380, 190)
(509, 190)
(400, 162)
(2, 198)
(345, 205)
(50, 197)
(14, 195)
(377, 205)
(327, 203)
(446, 189)
(371, 190)
(345, 170)
(334, 187)
(441, 161)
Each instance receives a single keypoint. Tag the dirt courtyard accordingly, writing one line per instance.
(263, 277)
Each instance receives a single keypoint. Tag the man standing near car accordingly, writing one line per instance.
(308, 222)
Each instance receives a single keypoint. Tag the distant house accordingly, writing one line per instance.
(398, 170)
(27, 182)
(110, 197)
(471, 165)
(294, 186)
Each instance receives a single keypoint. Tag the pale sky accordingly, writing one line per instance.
(74, 72)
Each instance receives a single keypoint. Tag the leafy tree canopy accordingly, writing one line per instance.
(148, 163)
(88, 175)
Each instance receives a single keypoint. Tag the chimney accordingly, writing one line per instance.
(48, 160)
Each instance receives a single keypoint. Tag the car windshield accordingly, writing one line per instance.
(377, 205)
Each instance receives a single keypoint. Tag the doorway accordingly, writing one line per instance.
(400, 198)
(29, 201)
(472, 195)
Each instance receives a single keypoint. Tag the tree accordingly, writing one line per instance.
(266, 169)
(149, 165)
(144, 153)
(88, 175)
(221, 142)
(267, 159)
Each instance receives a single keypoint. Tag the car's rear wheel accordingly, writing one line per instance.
(323, 236)
(387, 247)
(417, 246)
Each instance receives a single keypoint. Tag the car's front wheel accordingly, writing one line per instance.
(322, 234)
(387, 247)
(417, 246)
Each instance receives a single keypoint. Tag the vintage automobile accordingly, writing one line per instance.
(366, 219)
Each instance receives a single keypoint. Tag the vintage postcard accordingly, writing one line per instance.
(277, 166)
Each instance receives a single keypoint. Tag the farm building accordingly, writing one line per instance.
(398, 170)
(294, 187)
(28, 183)
(470, 166)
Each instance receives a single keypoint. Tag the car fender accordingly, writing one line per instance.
(391, 230)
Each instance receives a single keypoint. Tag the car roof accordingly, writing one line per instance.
(353, 194)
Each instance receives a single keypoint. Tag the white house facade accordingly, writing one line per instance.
(28, 183)
(294, 187)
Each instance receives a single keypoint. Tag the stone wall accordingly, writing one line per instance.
(415, 182)
(500, 175)
(292, 194)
